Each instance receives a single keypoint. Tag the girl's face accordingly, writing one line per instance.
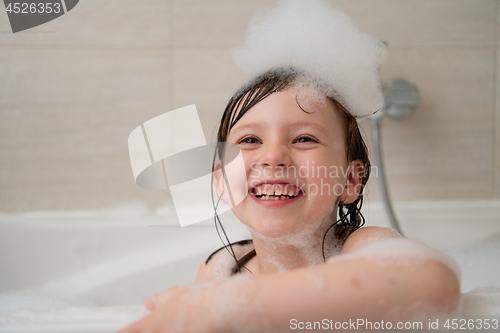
(295, 162)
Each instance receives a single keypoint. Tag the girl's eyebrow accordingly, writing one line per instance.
(246, 126)
(294, 125)
(315, 125)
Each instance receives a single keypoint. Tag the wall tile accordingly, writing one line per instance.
(212, 23)
(72, 90)
(424, 22)
(399, 22)
(497, 21)
(94, 22)
(496, 143)
(444, 149)
(64, 124)
(206, 77)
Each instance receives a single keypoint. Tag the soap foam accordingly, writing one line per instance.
(314, 37)
(305, 240)
(476, 261)
(15, 300)
(222, 262)
(234, 305)
(23, 309)
(401, 251)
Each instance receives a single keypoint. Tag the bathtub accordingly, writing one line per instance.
(88, 271)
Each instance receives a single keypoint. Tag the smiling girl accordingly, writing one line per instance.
(303, 265)
(310, 263)
(291, 141)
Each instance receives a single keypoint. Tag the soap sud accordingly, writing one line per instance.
(476, 262)
(307, 241)
(481, 303)
(29, 300)
(29, 308)
(25, 308)
(314, 37)
(400, 251)
(222, 262)
(308, 92)
(235, 298)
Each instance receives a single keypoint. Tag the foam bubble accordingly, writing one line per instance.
(314, 37)
(15, 300)
(476, 261)
(306, 241)
(403, 251)
(223, 263)
(30, 310)
(234, 305)
(481, 303)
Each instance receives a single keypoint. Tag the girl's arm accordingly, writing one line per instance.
(369, 282)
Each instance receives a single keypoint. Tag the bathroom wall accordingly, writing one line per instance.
(72, 90)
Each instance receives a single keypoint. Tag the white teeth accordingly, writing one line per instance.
(277, 191)
(267, 197)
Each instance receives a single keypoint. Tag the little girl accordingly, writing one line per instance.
(305, 267)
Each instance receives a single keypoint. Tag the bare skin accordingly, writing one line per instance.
(341, 290)
(288, 278)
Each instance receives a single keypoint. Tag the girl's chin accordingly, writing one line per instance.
(272, 228)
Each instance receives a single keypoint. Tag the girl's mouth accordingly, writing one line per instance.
(283, 191)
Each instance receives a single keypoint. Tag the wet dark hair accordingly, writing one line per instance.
(279, 79)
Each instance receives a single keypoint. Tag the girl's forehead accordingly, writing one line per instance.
(310, 98)
(295, 107)
(297, 102)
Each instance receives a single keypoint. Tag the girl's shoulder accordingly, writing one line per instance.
(365, 235)
(221, 265)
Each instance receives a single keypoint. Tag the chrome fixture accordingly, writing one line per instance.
(400, 98)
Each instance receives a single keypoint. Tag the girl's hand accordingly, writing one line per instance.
(178, 309)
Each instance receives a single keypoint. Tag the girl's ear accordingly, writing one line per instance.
(354, 184)
(218, 179)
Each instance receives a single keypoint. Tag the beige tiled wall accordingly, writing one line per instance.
(72, 90)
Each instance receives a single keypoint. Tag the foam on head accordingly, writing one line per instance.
(313, 37)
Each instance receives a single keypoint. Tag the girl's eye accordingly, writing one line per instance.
(304, 139)
(249, 140)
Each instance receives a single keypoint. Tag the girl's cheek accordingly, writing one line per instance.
(249, 161)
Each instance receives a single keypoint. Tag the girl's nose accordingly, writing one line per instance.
(275, 155)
